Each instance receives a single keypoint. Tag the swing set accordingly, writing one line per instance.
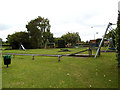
(93, 44)
(109, 27)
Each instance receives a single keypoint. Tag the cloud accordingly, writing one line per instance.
(4, 27)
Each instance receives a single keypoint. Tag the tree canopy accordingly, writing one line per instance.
(19, 38)
(39, 31)
(0, 39)
(38, 35)
(72, 38)
(0, 42)
(111, 34)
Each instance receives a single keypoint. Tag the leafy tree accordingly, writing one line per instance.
(82, 42)
(19, 38)
(0, 39)
(111, 34)
(39, 31)
(118, 39)
(0, 42)
(72, 38)
(87, 42)
(61, 43)
(56, 39)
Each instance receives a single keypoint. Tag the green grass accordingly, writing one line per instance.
(70, 72)
(6, 47)
(45, 51)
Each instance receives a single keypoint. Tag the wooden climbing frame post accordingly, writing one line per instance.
(99, 52)
(13, 56)
(33, 58)
(59, 56)
(90, 50)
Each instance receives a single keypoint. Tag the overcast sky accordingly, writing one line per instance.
(64, 15)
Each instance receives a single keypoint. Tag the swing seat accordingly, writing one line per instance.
(112, 48)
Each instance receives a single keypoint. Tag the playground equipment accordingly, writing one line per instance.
(64, 50)
(110, 44)
(33, 55)
(108, 28)
(91, 46)
(59, 56)
(22, 47)
(77, 54)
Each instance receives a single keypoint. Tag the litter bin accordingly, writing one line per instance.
(7, 59)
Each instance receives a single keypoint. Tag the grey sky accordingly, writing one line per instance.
(4, 27)
(64, 15)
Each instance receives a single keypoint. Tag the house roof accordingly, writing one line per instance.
(106, 42)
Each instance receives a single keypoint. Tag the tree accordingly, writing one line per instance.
(87, 42)
(72, 38)
(1, 40)
(39, 31)
(19, 38)
(118, 39)
(111, 34)
(56, 39)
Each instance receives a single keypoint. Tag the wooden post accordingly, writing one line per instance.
(90, 51)
(33, 58)
(13, 56)
(99, 52)
(7, 65)
(59, 58)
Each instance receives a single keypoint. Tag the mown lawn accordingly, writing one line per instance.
(46, 51)
(70, 72)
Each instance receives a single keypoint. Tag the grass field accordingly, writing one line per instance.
(70, 72)
(45, 51)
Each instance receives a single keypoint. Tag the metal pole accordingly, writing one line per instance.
(94, 36)
(98, 50)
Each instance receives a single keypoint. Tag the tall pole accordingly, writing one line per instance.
(94, 36)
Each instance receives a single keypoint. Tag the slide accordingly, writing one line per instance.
(23, 47)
